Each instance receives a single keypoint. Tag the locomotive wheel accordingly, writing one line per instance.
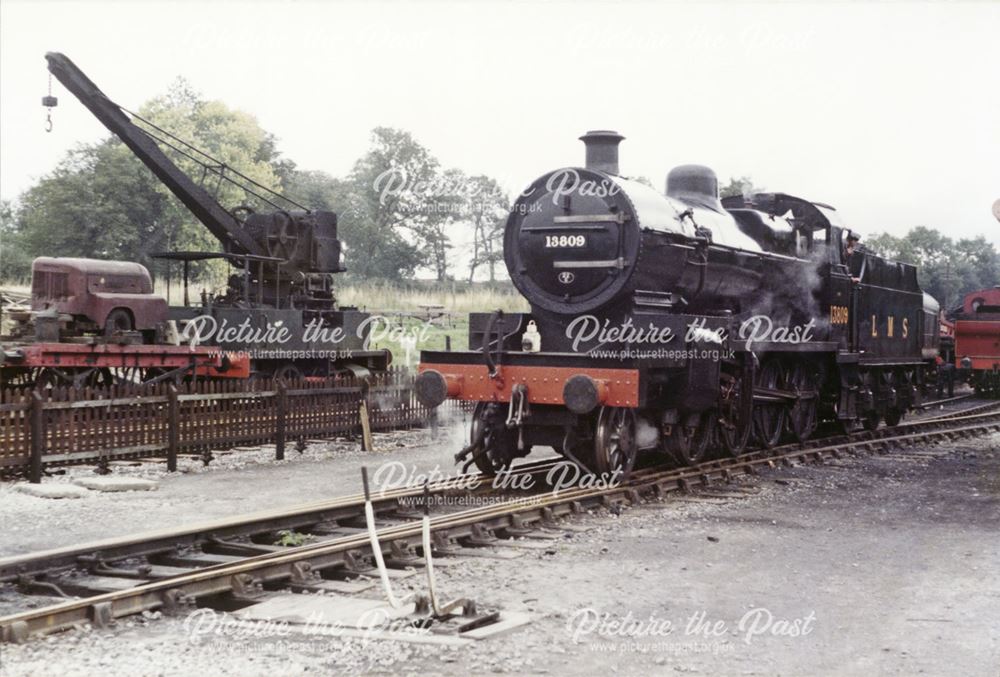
(769, 418)
(841, 426)
(17, 378)
(871, 382)
(288, 372)
(615, 446)
(803, 415)
(118, 321)
(498, 443)
(992, 384)
(893, 417)
(48, 379)
(689, 444)
(734, 428)
(895, 382)
(153, 372)
(99, 378)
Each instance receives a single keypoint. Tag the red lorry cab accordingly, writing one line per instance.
(110, 295)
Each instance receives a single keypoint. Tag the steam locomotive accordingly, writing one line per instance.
(682, 323)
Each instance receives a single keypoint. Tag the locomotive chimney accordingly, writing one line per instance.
(602, 150)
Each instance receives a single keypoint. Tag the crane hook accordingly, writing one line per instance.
(49, 102)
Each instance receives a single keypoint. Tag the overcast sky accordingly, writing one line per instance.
(890, 112)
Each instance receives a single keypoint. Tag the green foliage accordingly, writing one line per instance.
(102, 202)
(486, 208)
(394, 208)
(293, 539)
(741, 186)
(396, 205)
(948, 269)
(15, 264)
(96, 204)
(317, 190)
(386, 216)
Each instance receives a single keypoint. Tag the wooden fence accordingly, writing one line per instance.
(67, 426)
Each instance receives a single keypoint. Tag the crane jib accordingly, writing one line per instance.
(206, 209)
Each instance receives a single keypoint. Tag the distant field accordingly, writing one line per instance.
(409, 310)
(461, 298)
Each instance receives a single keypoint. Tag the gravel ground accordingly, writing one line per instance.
(234, 483)
(887, 565)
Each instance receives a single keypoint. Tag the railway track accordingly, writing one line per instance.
(947, 400)
(237, 560)
(974, 409)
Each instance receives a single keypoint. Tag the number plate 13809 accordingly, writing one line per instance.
(565, 241)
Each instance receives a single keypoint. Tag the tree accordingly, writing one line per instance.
(96, 204)
(947, 270)
(102, 202)
(393, 208)
(982, 260)
(886, 245)
(486, 207)
(233, 138)
(741, 186)
(15, 264)
(385, 214)
(445, 203)
(314, 189)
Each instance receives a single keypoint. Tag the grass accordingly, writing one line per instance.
(455, 298)
(407, 309)
(428, 335)
(293, 538)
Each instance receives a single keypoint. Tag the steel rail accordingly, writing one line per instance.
(934, 403)
(300, 564)
(14, 567)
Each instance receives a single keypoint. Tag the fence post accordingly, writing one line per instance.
(37, 437)
(280, 423)
(366, 428)
(173, 427)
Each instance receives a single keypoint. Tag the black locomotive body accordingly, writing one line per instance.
(681, 323)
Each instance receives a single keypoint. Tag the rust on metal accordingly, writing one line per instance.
(620, 387)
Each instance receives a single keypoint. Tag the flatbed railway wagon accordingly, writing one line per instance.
(50, 365)
(96, 323)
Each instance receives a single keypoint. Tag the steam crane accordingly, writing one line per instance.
(286, 257)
